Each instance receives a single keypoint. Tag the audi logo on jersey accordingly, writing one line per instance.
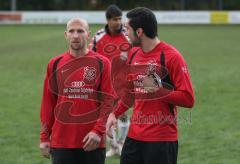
(77, 84)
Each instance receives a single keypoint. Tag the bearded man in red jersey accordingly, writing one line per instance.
(160, 82)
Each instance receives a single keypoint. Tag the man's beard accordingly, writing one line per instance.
(136, 42)
(77, 47)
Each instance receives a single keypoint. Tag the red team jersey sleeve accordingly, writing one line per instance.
(121, 107)
(183, 94)
(49, 101)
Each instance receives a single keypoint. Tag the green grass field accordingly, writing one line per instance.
(209, 134)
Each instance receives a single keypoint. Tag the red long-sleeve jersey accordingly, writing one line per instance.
(152, 119)
(77, 97)
(110, 45)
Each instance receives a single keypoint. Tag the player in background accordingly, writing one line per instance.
(153, 132)
(111, 41)
(72, 120)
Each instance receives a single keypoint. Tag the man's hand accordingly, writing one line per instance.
(45, 149)
(111, 123)
(123, 117)
(91, 141)
(123, 56)
(149, 84)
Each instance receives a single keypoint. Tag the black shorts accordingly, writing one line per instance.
(139, 152)
(77, 156)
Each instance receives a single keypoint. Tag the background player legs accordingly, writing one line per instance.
(123, 126)
(116, 143)
(113, 144)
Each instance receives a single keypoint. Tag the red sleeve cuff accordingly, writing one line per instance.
(120, 109)
(100, 134)
(44, 140)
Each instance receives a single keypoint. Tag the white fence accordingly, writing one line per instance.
(98, 17)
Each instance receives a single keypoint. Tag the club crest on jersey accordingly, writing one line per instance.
(89, 73)
(151, 67)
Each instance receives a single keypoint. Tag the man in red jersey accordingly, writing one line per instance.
(161, 82)
(111, 41)
(76, 102)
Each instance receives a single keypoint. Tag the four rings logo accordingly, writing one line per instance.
(77, 84)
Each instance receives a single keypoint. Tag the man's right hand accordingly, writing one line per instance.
(123, 117)
(45, 149)
(111, 123)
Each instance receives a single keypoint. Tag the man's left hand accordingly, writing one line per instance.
(149, 84)
(91, 141)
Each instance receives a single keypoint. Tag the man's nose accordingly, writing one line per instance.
(75, 35)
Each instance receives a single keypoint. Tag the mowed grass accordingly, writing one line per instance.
(208, 134)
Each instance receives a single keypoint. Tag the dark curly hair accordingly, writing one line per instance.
(142, 17)
(113, 11)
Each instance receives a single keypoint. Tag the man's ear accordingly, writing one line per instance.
(65, 34)
(89, 34)
(139, 32)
